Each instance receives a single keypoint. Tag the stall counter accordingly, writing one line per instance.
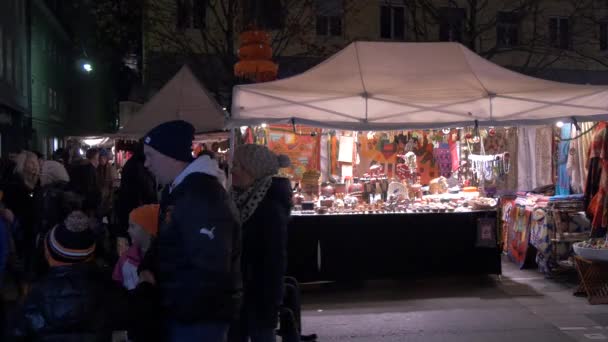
(396, 245)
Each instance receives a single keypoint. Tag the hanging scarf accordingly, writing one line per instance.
(247, 202)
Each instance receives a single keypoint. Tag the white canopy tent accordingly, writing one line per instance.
(182, 98)
(383, 86)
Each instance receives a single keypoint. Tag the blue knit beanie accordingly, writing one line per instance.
(173, 139)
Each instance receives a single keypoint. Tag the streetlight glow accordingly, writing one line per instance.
(87, 67)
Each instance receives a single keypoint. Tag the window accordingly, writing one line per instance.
(604, 36)
(329, 17)
(17, 72)
(191, 14)
(265, 14)
(392, 21)
(451, 22)
(10, 73)
(507, 29)
(329, 25)
(559, 32)
(50, 98)
(1, 54)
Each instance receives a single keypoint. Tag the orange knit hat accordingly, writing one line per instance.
(146, 217)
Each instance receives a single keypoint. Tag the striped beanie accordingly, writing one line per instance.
(71, 242)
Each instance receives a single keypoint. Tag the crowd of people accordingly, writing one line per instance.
(165, 252)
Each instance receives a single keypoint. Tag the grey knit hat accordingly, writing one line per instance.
(258, 161)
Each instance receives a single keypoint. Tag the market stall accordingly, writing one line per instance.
(181, 98)
(432, 223)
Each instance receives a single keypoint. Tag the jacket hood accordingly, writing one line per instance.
(205, 165)
(280, 191)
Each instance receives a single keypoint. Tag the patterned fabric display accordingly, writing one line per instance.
(540, 238)
(443, 158)
(598, 207)
(519, 236)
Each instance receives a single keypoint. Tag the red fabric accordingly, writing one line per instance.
(454, 154)
(598, 207)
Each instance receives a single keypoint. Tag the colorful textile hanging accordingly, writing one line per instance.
(443, 158)
(578, 157)
(519, 236)
(597, 181)
(541, 239)
(302, 149)
(563, 179)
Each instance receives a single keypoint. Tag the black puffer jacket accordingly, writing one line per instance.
(72, 303)
(265, 254)
(196, 256)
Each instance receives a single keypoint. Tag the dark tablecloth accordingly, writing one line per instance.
(375, 246)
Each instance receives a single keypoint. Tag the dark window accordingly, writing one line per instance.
(335, 26)
(385, 22)
(322, 25)
(199, 13)
(183, 14)
(451, 22)
(191, 13)
(559, 33)
(392, 22)
(264, 14)
(604, 36)
(507, 29)
(329, 17)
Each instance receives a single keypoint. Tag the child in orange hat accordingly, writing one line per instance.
(143, 226)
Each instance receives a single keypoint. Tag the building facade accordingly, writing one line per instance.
(15, 100)
(51, 67)
(563, 40)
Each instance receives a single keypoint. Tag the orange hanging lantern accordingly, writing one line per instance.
(255, 56)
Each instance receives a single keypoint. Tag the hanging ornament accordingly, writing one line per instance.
(469, 137)
(476, 139)
(446, 131)
(492, 132)
(255, 56)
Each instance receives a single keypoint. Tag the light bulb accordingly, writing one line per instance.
(559, 124)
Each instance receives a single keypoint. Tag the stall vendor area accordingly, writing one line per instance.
(371, 205)
(429, 140)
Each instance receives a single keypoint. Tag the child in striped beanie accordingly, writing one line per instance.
(71, 242)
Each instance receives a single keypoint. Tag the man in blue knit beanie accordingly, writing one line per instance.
(195, 260)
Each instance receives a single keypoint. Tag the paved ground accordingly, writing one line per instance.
(520, 306)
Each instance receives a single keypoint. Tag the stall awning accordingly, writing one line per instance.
(182, 98)
(388, 85)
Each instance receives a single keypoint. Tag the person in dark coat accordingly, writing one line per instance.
(75, 301)
(83, 181)
(137, 188)
(264, 202)
(19, 196)
(196, 257)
